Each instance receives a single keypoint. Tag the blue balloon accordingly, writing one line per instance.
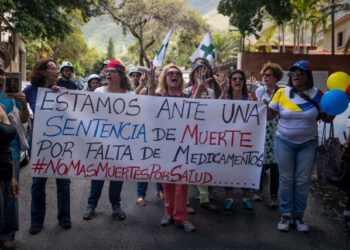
(334, 102)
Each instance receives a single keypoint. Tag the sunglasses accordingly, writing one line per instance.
(237, 78)
(297, 73)
(111, 71)
(173, 73)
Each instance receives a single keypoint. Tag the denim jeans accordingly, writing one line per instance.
(115, 188)
(142, 188)
(10, 223)
(38, 206)
(295, 163)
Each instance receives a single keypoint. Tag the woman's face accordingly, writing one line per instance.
(173, 78)
(299, 78)
(200, 69)
(95, 83)
(112, 76)
(237, 81)
(51, 73)
(269, 78)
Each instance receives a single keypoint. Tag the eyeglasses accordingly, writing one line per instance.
(237, 78)
(52, 68)
(173, 73)
(111, 71)
(267, 75)
(298, 73)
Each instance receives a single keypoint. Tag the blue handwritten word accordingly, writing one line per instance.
(100, 128)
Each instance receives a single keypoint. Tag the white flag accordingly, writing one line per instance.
(206, 49)
(158, 59)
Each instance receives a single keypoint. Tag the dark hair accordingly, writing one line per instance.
(124, 82)
(37, 76)
(275, 68)
(89, 82)
(244, 89)
(213, 84)
(309, 82)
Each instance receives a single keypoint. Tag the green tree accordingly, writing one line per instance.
(245, 15)
(149, 20)
(226, 45)
(281, 12)
(110, 49)
(49, 18)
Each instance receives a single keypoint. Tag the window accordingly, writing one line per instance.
(340, 39)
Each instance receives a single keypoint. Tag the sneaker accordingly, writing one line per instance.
(89, 212)
(301, 226)
(118, 212)
(248, 207)
(210, 206)
(186, 225)
(285, 222)
(346, 214)
(190, 210)
(9, 244)
(167, 220)
(257, 197)
(66, 224)
(273, 203)
(35, 229)
(228, 207)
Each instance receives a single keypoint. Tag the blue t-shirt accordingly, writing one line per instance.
(8, 103)
(31, 92)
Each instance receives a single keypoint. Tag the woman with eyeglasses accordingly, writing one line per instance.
(271, 73)
(296, 141)
(171, 84)
(45, 75)
(236, 89)
(117, 82)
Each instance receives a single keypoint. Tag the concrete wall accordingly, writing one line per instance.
(252, 62)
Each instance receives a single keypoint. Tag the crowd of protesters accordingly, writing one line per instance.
(290, 144)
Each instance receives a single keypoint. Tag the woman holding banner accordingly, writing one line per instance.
(203, 91)
(236, 89)
(296, 141)
(117, 82)
(45, 75)
(171, 84)
(271, 73)
(142, 186)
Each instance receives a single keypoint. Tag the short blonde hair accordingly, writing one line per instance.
(163, 86)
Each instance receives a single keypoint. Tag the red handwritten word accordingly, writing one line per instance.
(58, 167)
(226, 137)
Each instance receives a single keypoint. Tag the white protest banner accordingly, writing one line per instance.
(95, 135)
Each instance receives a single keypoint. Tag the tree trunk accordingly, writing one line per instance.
(284, 46)
(294, 38)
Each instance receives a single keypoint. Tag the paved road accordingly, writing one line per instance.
(141, 229)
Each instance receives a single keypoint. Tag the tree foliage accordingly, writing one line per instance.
(110, 49)
(245, 15)
(149, 21)
(46, 19)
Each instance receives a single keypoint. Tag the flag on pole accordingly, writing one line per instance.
(158, 59)
(206, 49)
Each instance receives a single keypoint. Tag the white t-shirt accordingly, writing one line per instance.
(297, 116)
(262, 94)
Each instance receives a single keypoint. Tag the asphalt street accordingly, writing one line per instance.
(142, 230)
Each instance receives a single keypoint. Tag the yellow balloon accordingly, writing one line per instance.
(338, 80)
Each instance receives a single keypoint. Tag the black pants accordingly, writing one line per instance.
(274, 179)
